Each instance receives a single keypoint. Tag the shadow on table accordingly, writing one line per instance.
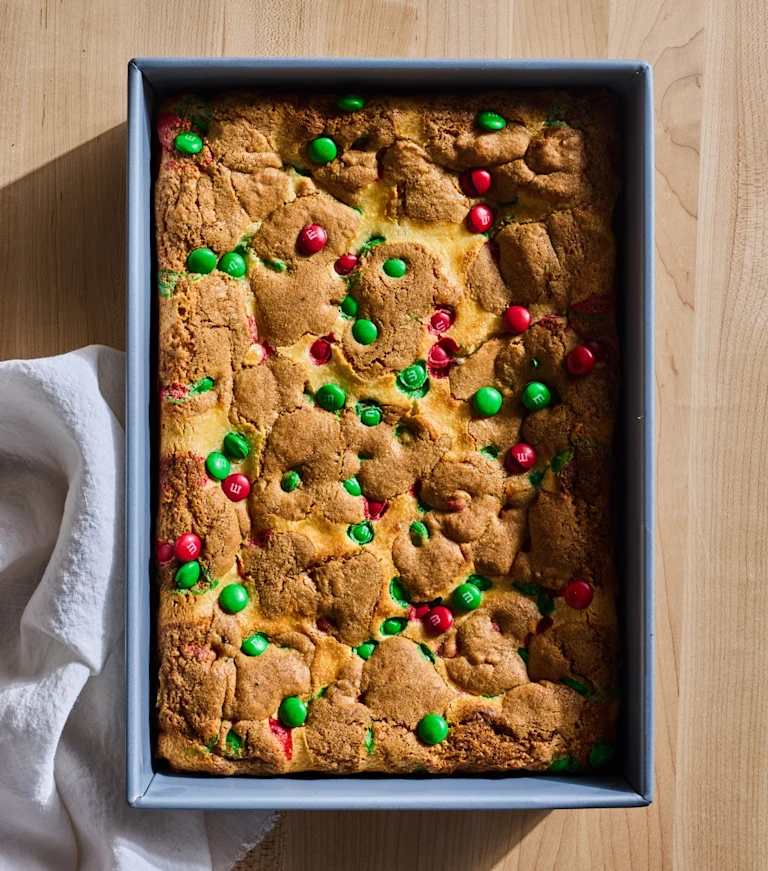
(62, 249)
(392, 841)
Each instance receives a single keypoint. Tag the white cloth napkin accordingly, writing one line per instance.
(62, 757)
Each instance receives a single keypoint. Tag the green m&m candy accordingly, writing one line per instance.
(202, 386)
(352, 486)
(576, 685)
(290, 481)
(201, 260)
(350, 103)
(233, 264)
(413, 377)
(433, 729)
(398, 594)
(202, 124)
(331, 397)
(364, 331)
(349, 306)
(255, 645)
(480, 581)
(188, 575)
(370, 416)
(490, 120)
(601, 755)
(558, 765)
(418, 532)
(361, 533)
(365, 650)
(188, 143)
(292, 712)
(394, 268)
(393, 626)
(322, 150)
(236, 446)
(217, 465)
(233, 598)
(234, 744)
(536, 396)
(487, 401)
(467, 597)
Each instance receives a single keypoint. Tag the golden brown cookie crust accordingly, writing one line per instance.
(338, 579)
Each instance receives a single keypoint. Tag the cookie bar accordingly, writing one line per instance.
(388, 379)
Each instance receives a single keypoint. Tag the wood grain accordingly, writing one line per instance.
(62, 286)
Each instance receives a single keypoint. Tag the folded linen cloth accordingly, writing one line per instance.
(62, 782)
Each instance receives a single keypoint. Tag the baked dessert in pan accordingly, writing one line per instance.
(388, 378)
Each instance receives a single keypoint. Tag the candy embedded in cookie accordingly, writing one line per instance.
(536, 396)
(345, 264)
(438, 619)
(233, 264)
(187, 547)
(202, 261)
(517, 319)
(322, 150)
(487, 401)
(395, 267)
(475, 182)
(488, 120)
(217, 465)
(311, 239)
(331, 397)
(520, 458)
(236, 446)
(432, 729)
(578, 595)
(580, 361)
(467, 597)
(292, 712)
(350, 103)
(365, 332)
(188, 575)
(188, 143)
(233, 598)
(236, 487)
(479, 219)
(255, 645)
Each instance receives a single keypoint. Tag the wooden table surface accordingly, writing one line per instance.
(62, 286)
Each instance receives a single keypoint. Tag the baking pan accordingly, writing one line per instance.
(150, 80)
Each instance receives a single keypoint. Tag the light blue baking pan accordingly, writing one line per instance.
(149, 81)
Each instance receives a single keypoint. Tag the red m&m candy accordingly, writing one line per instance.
(441, 356)
(516, 319)
(439, 619)
(598, 349)
(236, 487)
(442, 352)
(320, 351)
(520, 457)
(164, 552)
(187, 547)
(580, 361)
(438, 356)
(420, 611)
(374, 510)
(578, 594)
(475, 182)
(479, 219)
(345, 264)
(440, 321)
(311, 239)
